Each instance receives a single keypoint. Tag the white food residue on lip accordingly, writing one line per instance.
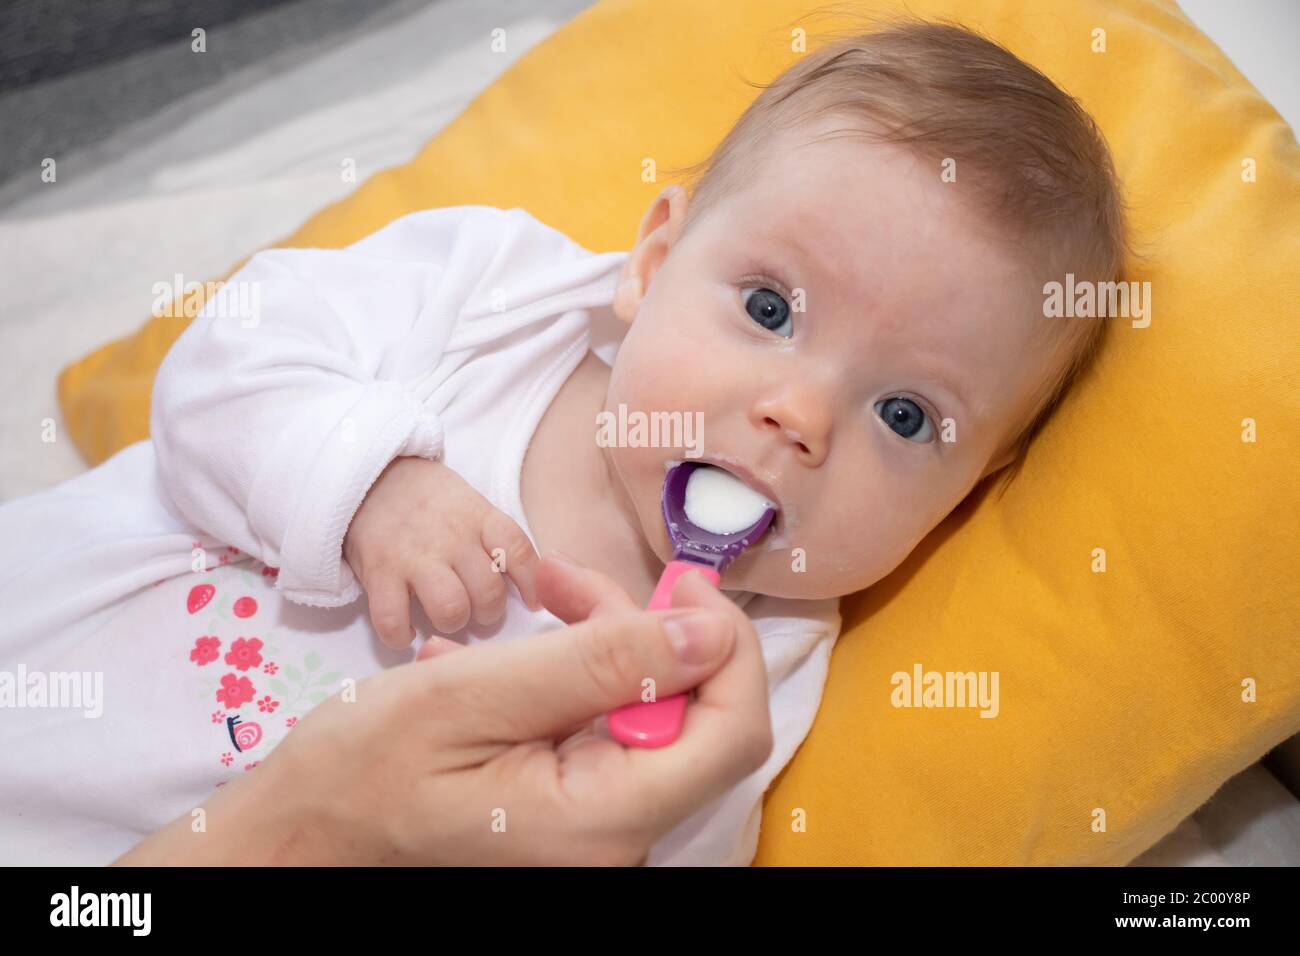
(719, 502)
(778, 540)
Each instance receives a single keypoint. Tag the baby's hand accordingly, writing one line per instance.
(423, 529)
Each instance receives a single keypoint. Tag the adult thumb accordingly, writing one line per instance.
(544, 686)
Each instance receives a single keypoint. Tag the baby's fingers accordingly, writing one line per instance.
(486, 586)
(517, 557)
(390, 610)
(443, 597)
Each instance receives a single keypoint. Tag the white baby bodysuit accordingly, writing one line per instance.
(164, 572)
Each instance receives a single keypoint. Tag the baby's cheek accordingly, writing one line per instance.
(831, 553)
(643, 381)
(674, 361)
(642, 471)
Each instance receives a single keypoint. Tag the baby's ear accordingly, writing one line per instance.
(668, 207)
(628, 296)
(658, 232)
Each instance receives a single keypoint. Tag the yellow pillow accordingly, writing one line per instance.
(1126, 695)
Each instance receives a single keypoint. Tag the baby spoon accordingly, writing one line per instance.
(719, 501)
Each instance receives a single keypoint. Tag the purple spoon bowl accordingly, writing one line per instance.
(691, 542)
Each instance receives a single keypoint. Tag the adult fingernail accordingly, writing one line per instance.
(693, 574)
(698, 637)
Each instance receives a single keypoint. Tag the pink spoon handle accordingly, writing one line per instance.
(659, 723)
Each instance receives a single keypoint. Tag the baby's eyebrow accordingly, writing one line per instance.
(800, 253)
(948, 383)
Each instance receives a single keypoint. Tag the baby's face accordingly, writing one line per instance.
(913, 313)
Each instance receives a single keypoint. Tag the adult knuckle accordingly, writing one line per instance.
(607, 838)
(611, 664)
(756, 746)
(625, 850)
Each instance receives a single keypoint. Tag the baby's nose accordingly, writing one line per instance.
(792, 435)
(804, 435)
(799, 416)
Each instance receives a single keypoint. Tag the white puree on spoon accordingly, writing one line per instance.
(719, 502)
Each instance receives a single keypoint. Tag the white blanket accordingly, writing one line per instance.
(194, 192)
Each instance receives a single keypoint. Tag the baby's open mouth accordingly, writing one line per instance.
(726, 499)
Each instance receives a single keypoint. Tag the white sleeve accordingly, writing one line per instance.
(299, 381)
(797, 652)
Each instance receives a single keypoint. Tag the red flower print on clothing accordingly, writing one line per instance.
(218, 717)
(270, 668)
(250, 766)
(199, 596)
(269, 572)
(291, 721)
(235, 691)
(205, 650)
(224, 559)
(227, 759)
(245, 607)
(244, 653)
(267, 705)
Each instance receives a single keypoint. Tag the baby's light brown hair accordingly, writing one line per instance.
(1026, 152)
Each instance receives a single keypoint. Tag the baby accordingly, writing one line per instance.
(850, 301)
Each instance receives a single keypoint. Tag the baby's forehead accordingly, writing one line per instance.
(896, 265)
(844, 197)
(871, 227)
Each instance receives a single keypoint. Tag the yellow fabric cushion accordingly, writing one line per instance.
(1125, 694)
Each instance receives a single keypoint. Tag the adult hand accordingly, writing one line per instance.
(469, 757)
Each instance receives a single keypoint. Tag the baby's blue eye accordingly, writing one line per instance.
(769, 310)
(906, 418)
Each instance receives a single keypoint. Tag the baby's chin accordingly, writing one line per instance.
(780, 573)
(779, 585)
